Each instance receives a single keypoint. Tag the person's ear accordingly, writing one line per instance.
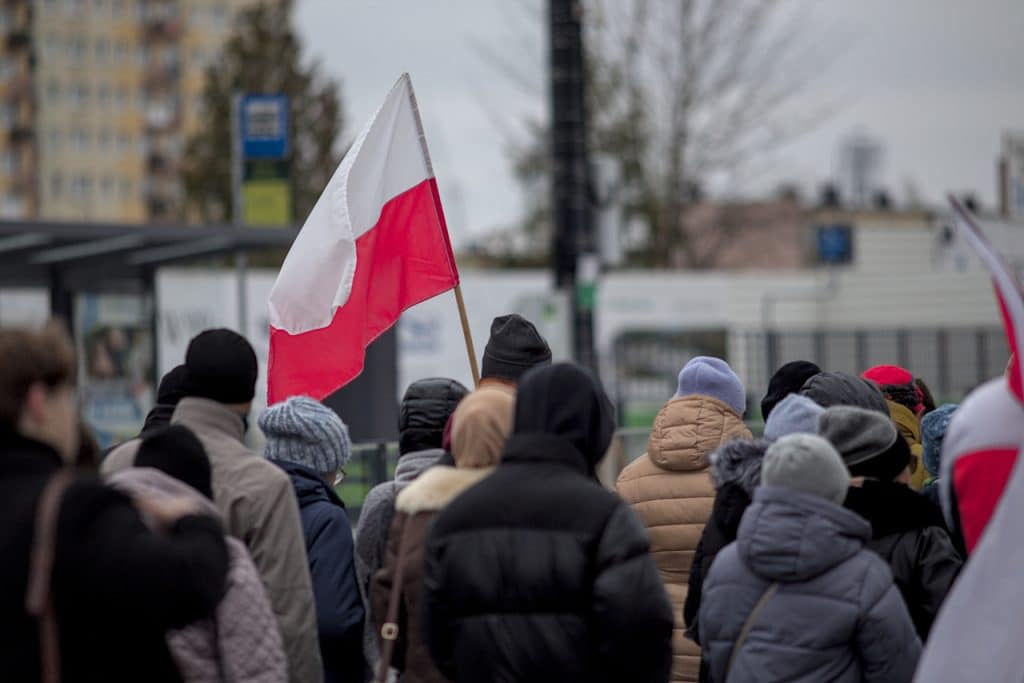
(36, 401)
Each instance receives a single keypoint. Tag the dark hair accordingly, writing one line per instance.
(29, 356)
(905, 394)
(927, 400)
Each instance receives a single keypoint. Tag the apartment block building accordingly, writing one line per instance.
(97, 99)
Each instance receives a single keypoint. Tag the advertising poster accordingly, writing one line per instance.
(115, 348)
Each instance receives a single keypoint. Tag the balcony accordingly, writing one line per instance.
(24, 182)
(161, 75)
(19, 38)
(160, 28)
(21, 132)
(20, 88)
(158, 163)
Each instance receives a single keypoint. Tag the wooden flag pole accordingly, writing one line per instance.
(467, 334)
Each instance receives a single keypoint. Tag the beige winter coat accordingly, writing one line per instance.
(670, 489)
(259, 508)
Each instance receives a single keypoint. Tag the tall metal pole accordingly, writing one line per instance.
(574, 249)
(238, 212)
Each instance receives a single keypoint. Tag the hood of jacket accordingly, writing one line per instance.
(738, 462)
(892, 508)
(687, 429)
(152, 483)
(789, 536)
(438, 486)
(829, 389)
(309, 486)
(426, 407)
(158, 416)
(561, 404)
(906, 422)
(411, 465)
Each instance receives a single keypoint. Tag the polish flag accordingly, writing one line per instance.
(374, 244)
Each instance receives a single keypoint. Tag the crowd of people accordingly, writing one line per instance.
(822, 551)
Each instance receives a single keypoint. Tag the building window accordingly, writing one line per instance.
(126, 188)
(53, 139)
(108, 185)
(219, 16)
(77, 47)
(102, 49)
(79, 95)
(74, 6)
(79, 140)
(52, 91)
(56, 185)
(103, 95)
(8, 163)
(121, 96)
(124, 143)
(81, 186)
(104, 140)
(121, 49)
(13, 206)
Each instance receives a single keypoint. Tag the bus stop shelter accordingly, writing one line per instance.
(68, 258)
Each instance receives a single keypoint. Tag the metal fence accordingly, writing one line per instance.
(374, 463)
(951, 360)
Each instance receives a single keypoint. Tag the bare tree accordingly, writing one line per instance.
(686, 96)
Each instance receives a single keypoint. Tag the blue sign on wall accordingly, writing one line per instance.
(835, 244)
(264, 126)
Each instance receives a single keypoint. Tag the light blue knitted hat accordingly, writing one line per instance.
(306, 432)
(712, 377)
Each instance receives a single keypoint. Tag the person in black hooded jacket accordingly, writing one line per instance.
(907, 530)
(736, 472)
(538, 573)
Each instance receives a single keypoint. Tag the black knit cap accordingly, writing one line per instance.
(887, 465)
(221, 366)
(515, 346)
(177, 452)
(788, 379)
(172, 387)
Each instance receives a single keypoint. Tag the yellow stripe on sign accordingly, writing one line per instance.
(267, 203)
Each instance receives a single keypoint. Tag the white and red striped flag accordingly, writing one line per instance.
(374, 244)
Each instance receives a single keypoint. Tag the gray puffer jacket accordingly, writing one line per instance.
(837, 616)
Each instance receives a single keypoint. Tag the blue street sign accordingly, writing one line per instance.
(835, 244)
(263, 126)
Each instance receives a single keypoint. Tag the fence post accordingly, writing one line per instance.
(379, 464)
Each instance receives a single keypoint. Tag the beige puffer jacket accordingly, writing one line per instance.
(670, 488)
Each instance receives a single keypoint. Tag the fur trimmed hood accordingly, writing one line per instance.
(437, 487)
(739, 462)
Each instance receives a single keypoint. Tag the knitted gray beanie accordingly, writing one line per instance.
(306, 432)
(807, 463)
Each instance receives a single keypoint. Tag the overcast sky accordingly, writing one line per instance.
(937, 82)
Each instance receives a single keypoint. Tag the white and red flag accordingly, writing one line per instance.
(374, 244)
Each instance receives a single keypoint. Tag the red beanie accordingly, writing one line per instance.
(888, 374)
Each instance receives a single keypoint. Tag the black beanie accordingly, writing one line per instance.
(172, 387)
(221, 366)
(789, 379)
(177, 452)
(515, 346)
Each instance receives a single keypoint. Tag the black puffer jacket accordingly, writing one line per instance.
(736, 472)
(538, 573)
(425, 409)
(907, 530)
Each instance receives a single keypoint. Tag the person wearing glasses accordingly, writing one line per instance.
(311, 444)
